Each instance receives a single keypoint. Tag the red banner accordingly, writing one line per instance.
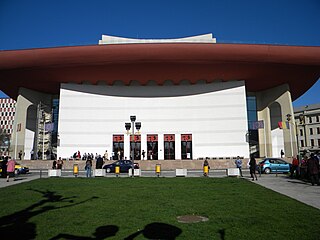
(152, 138)
(186, 137)
(169, 137)
(118, 138)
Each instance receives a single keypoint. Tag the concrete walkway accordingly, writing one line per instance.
(296, 189)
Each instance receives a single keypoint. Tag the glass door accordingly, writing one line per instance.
(135, 146)
(186, 146)
(169, 147)
(152, 147)
(117, 147)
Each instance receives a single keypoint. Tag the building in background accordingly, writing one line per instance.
(7, 112)
(194, 98)
(307, 119)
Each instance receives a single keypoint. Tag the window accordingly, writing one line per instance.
(302, 143)
(301, 132)
(310, 119)
(311, 131)
(312, 142)
(318, 142)
(318, 130)
(317, 118)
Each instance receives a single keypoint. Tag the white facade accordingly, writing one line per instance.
(215, 114)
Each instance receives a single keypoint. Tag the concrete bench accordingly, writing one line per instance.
(181, 172)
(136, 172)
(54, 172)
(99, 172)
(233, 172)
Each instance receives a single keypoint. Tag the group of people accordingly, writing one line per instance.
(8, 168)
(307, 168)
(90, 156)
(88, 165)
(238, 162)
(57, 164)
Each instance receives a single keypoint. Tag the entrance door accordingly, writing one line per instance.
(152, 147)
(186, 146)
(169, 147)
(135, 146)
(117, 147)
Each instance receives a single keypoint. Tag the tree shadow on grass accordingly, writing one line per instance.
(157, 231)
(17, 225)
(102, 232)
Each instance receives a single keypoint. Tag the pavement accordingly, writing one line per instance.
(281, 183)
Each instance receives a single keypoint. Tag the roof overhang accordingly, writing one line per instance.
(261, 66)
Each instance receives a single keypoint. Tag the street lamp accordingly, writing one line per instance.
(289, 120)
(136, 125)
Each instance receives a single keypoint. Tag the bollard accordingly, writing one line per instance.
(117, 170)
(158, 169)
(40, 173)
(205, 171)
(75, 170)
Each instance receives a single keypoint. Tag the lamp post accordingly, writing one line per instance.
(291, 145)
(128, 126)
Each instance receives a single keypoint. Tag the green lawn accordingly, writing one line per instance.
(143, 208)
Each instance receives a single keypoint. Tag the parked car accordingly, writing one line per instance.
(271, 165)
(124, 165)
(19, 169)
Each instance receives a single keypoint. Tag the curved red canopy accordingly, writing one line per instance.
(261, 66)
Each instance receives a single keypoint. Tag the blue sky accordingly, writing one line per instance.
(47, 23)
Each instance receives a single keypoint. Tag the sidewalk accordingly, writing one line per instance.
(294, 188)
(19, 179)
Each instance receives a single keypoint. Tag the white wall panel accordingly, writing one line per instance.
(215, 114)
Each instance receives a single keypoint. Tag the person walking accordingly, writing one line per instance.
(11, 169)
(238, 163)
(313, 169)
(99, 162)
(294, 167)
(88, 168)
(253, 166)
(106, 156)
(206, 163)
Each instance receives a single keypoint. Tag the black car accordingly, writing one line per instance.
(124, 165)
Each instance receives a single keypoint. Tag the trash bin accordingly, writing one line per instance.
(75, 170)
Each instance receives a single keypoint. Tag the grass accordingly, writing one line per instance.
(146, 208)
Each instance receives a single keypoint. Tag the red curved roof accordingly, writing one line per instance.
(261, 66)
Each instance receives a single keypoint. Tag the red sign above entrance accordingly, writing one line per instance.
(169, 138)
(186, 137)
(152, 138)
(118, 138)
(137, 138)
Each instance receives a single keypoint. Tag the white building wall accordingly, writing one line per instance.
(215, 114)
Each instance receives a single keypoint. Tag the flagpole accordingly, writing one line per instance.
(291, 141)
(16, 143)
(265, 141)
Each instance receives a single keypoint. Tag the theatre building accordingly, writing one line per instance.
(192, 98)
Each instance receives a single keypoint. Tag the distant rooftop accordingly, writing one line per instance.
(307, 108)
(205, 38)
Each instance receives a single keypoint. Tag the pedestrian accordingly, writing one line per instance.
(99, 162)
(88, 167)
(206, 163)
(54, 164)
(313, 169)
(59, 163)
(282, 153)
(294, 167)
(143, 154)
(4, 167)
(238, 163)
(11, 169)
(20, 155)
(253, 166)
(106, 156)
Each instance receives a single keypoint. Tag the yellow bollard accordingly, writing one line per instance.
(75, 170)
(205, 171)
(117, 170)
(158, 169)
